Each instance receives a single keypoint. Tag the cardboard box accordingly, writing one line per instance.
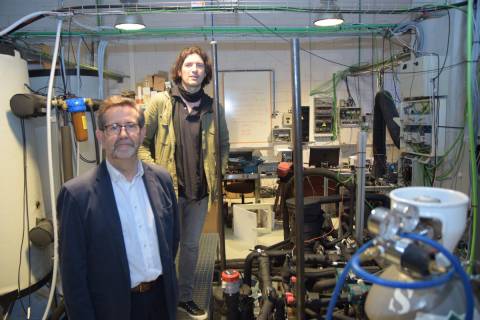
(158, 83)
(148, 81)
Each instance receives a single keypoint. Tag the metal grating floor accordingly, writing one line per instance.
(204, 272)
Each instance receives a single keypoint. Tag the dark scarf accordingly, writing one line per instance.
(190, 97)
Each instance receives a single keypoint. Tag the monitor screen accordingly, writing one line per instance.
(324, 156)
(241, 155)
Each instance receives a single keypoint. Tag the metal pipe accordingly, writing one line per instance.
(218, 156)
(360, 183)
(298, 176)
(67, 159)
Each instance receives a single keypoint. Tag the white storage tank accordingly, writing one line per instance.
(18, 264)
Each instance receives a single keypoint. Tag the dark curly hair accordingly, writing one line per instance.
(177, 66)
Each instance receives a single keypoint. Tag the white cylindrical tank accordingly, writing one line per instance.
(448, 206)
(14, 243)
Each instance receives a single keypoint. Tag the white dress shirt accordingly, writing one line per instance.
(138, 225)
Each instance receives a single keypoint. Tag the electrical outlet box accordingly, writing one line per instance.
(287, 119)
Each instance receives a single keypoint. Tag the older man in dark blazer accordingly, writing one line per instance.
(119, 229)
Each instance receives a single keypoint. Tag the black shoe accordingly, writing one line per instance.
(192, 309)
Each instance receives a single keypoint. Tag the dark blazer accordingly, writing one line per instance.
(93, 260)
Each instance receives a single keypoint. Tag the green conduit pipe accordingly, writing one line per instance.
(306, 31)
(472, 140)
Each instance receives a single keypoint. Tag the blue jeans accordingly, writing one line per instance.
(192, 217)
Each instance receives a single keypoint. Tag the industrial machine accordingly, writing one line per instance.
(434, 213)
(406, 270)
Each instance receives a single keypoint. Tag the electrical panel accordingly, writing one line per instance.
(305, 123)
(422, 130)
(421, 77)
(322, 116)
(281, 135)
(350, 114)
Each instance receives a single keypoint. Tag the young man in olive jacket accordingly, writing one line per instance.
(180, 137)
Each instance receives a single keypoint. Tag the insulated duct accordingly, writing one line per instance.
(384, 112)
(26, 105)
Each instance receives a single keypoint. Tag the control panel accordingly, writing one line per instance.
(422, 130)
(322, 116)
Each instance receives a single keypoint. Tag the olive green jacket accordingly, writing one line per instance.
(159, 143)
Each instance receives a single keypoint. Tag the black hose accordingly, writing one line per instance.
(94, 127)
(282, 245)
(324, 284)
(341, 316)
(237, 264)
(384, 111)
(264, 273)
(311, 313)
(329, 174)
(279, 309)
(276, 253)
(248, 263)
(332, 243)
(266, 310)
(232, 303)
(312, 258)
(246, 303)
(247, 274)
(269, 293)
(318, 273)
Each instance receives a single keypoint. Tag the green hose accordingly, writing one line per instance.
(472, 140)
(334, 109)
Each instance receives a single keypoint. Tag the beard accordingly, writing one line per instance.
(125, 148)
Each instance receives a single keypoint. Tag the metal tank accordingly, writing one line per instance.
(22, 264)
(447, 210)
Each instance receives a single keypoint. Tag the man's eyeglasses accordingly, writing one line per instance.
(115, 128)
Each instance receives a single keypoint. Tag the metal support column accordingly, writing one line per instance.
(360, 183)
(298, 178)
(218, 157)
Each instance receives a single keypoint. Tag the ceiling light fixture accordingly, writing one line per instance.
(331, 17)
(129, 22)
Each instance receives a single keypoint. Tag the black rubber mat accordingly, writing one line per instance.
(202, 291)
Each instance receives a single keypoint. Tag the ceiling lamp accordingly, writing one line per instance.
(331, 17)
(129, 22)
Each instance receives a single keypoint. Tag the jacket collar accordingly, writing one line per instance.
(116, 175)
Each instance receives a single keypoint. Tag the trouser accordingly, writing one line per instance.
(149, 305)
(192, 217)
